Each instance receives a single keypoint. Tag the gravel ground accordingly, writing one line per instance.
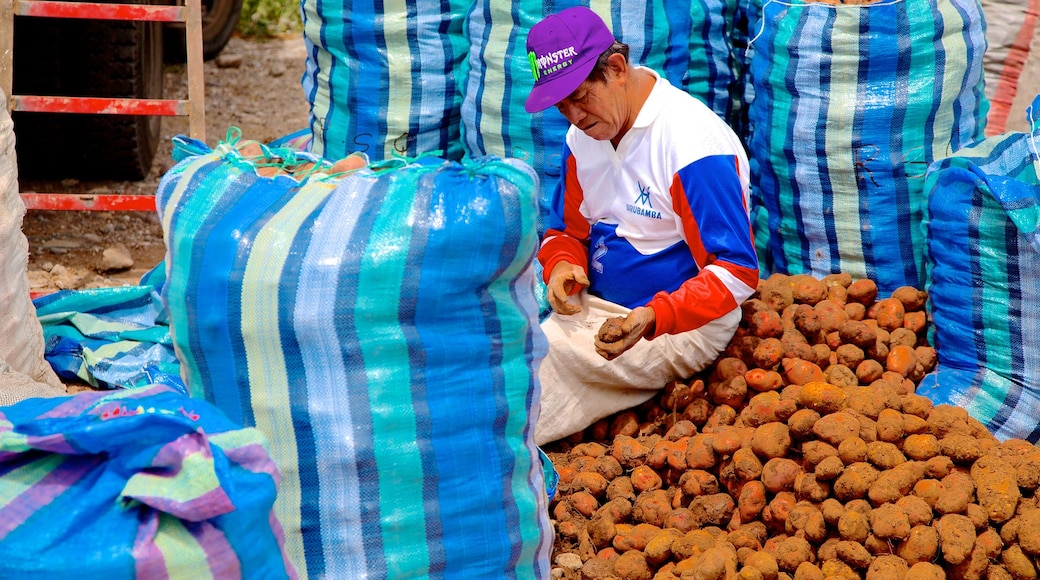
(253, 85)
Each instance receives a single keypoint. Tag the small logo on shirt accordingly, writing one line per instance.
(645, 208)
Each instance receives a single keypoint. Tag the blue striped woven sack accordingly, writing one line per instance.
(137, 483)
(685, 40)
(382, 329)
(851, 104)
(111, 337)
(984, 281)
(381, 80)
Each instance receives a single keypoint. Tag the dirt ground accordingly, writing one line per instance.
(263, 97)
(253, 85)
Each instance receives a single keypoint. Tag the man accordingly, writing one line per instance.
(649, 222)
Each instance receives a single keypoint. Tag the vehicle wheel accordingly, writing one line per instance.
(219, 19)
(88, 58)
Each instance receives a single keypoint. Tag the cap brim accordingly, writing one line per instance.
(560, 87)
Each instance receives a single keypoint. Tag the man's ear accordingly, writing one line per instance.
(617, 64)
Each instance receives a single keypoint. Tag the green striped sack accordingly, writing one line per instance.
(984, 281)
(135, 483)
(382, 329)
(380, 77)
(851, 103)
(684, 40)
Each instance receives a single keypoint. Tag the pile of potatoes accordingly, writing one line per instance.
(802, 453)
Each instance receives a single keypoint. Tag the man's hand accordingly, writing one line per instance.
(562, 282)
(637, 324)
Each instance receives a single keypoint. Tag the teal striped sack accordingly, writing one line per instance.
(984, 281)
(685, 40)
(381, 80)
(381, 328)
(137, 483)
(111, 337)
(852, 102)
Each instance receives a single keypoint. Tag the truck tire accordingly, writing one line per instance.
(87, 58)
(219, 19)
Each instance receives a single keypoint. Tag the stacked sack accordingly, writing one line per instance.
(382, 82)
(851, 104)
(688, 44)
(984, 281)
(380, 326)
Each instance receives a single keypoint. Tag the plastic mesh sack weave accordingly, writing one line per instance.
(135, 483)
(851, 103)
(111, 337)
(381, 328)
(984, 281)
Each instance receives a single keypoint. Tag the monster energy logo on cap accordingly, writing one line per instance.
(551, 62)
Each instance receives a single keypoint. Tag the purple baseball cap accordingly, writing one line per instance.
(563, 49)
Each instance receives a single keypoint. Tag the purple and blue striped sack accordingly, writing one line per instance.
(137, 483)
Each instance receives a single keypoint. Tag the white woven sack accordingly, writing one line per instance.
(23, 371)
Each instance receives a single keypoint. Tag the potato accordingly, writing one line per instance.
(634, 537)
(766, 324)
(854, 481)
(996, 487)
(854, 554)
(764, 563)
(822, 397)
(889, 314)
(1018, 564)
(831, 315)
(956, 537)
(771, 440)
(920, 545)
(632, 565)
(836, 427)
(858, 333)
(889, 522)
(863, 291)
(887, 567)
(911, 298)
(1029, 531)
(792, 552)
(611, 330)
(590, 481)
(763, 380)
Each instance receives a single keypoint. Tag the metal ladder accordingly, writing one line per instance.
(193, 107)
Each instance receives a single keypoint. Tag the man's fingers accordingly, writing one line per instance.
(558, 302)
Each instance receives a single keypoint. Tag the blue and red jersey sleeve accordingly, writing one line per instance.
(567, 232)
(708, 196)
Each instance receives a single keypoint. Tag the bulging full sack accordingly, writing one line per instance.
(381, 327)
(381, 79)
(851, 104)
(984, 281)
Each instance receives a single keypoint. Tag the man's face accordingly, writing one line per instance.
(597, 108)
